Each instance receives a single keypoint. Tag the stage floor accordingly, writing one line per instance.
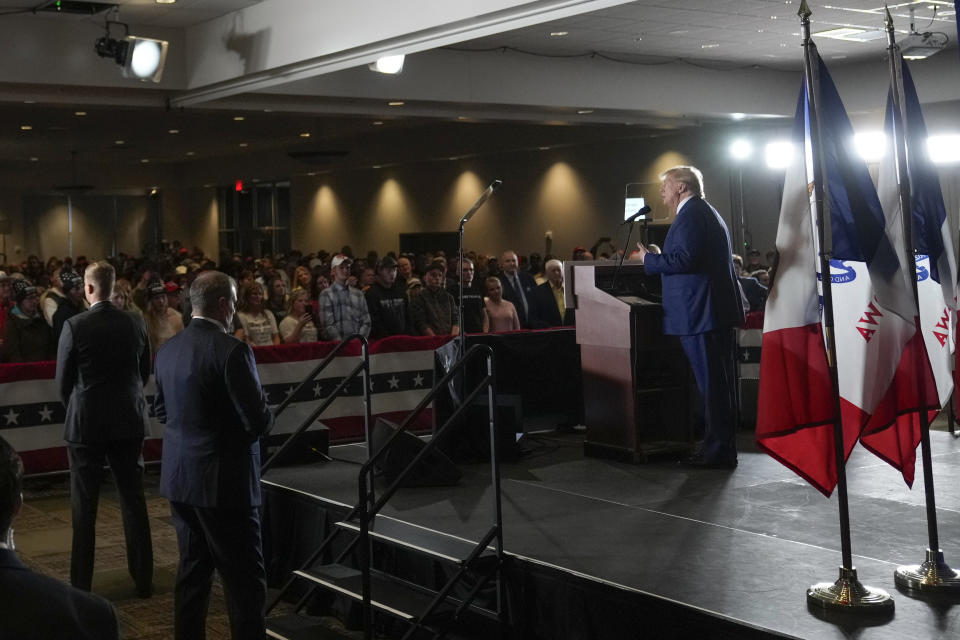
(741, 545)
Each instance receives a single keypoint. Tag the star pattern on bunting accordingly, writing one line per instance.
(12, 417)
(46, 414)
(394, 382)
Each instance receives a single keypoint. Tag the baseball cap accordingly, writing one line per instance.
(22, 289)
(171, 287)
(340, 259)
(413, 283)
(70, 280)
(386, 262)
(156, 288)
(436, 265)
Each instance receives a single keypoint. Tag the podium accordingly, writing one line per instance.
(638, 389)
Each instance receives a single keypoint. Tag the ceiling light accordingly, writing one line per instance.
(377, 123)
(738, 116)
(144, 160)
(778, 154)
(166, 1)
(741, 149)
(388, 64)
(584, 112)
(29, 102)
(141, 58)
(871, 145)
(174, 131)
(543, 148)
(118, 142)
(944, 149)
(558, 34)
(395, 103)
(79, 113)
(238, 118)
(305, 134)
(852, 34)
(709, 46)
(243, 145)
(190, 153)
(34, 159)
(26, 127)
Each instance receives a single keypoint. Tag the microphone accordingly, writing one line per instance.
(479, 203)
(641, 214)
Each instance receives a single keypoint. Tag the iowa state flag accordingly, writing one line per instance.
(873, 315)
(924, 378)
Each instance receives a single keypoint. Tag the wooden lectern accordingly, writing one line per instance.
(638, 388)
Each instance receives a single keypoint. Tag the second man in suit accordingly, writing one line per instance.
(209, 396)
(518, 287)
(103, 361)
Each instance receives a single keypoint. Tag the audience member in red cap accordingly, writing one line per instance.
(162, 322)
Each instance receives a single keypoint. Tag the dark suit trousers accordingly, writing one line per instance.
(711, 357)
(227, 540)
(86, 475)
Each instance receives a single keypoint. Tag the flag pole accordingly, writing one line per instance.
(847, 593)
(933, 574)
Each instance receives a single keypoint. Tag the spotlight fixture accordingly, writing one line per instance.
(741, 149)
(388, 64)
(141, 58)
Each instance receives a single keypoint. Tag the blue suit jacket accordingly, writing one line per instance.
(699, 285)
(209, 395)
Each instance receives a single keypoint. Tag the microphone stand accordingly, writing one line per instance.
(463, 221)
(626, 245)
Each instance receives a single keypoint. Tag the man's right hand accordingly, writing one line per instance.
(642, 252)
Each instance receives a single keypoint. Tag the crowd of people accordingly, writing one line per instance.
(293, 298)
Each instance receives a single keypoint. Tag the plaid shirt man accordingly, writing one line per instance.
(343, 312)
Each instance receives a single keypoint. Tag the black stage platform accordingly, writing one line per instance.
(610, 550)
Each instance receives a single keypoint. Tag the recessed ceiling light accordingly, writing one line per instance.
(119, 142)
(738, 116)
(377, 166)
(166, 1)
(462, 118)
(678, 32)
(191, 153)
(26, 127)
(29, 102)
(713, 45)
(243, 144)
(207, 186)
(238, 118)
(79, 113)
(254, 179)
(311, 173)
(174, 131)
(305, 134)
(558, 34)
(268, 110)
(144, 160)
(34, 159)
(543, 148)
(395, 103)
(584, 112)
(377, 123)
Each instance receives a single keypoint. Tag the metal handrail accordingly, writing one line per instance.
(364, 367)
(367, 508)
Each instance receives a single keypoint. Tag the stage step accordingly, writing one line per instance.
(297, 627)
(428, 541)
(389, 595)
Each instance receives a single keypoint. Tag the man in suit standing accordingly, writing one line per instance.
(209, 395)
(518, 287)
(103, 361)
(549, 301)
(34, 605)
(701, 304)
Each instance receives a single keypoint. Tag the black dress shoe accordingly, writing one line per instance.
(697, 461)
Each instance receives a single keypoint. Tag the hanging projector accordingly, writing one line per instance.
(141, 58)
(918, 46)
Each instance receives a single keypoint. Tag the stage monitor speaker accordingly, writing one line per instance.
(312, 446)
(435, 470)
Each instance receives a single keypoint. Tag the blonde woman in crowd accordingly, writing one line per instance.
(500, 314)
(122, 297)
(162, 322)
(257, 325)
(298, 325)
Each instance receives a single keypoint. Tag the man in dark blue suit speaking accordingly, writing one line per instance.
(701, 304)
(209, 395)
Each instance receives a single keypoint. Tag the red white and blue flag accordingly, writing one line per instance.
(873, 310)
(924, 379)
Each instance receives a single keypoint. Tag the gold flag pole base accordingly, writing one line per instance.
(933, 576)
(847, 594)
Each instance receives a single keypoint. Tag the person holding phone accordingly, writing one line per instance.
(297, 325)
